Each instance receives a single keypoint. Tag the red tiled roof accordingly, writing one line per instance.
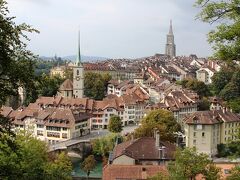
(143, 148)
(67, 85)
(130, 172)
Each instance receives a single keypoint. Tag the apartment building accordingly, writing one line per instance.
(49, 124)
(180, 102)
(206, 129)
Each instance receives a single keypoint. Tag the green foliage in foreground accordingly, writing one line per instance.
(24, 157)
(225, 37)
(188, 164)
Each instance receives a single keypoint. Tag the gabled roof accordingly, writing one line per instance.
(143, 149)
(67, 85)
(211, 117)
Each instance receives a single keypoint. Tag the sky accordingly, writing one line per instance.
(112, 28)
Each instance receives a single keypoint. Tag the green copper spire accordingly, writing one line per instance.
(78, 61)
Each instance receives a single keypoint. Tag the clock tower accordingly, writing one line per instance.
(78, 74)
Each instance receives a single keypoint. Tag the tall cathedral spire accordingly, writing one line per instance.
(170, 46)
(78, 60)
(170, 29)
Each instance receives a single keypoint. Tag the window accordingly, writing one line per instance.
(64, 128)
(39, 133)
(51, 128)
(203, 134)
(40, 126)
(64, 135)
(77, 72)
(194, 141)
(226, 171)
(194, 134)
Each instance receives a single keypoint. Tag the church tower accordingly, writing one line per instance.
(170, 46)
(78, 74)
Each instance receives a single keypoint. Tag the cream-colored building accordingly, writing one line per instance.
(51, 125)
(206, 129)
(58, 71)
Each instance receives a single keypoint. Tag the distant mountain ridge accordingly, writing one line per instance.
(73, 58)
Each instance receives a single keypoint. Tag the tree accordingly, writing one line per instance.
(24, 157)
(235, 174)
(221, 79)
(225, 38)
(198, 86)
(212, 172)
(203, 104)
(93, 86)
(115, 124)
(89, 164)
(161, 119)
(102, 146)
(230, 91)
(59, 168)
(48, 86)
(16, 65)
(188, 164)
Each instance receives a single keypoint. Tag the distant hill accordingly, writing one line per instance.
(73, 58)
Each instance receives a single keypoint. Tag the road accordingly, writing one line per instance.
(93, 135)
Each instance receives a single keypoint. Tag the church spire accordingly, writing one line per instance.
(170, 29)
(78, 60)
(170, 49)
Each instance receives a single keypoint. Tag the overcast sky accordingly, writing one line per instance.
(112, 28)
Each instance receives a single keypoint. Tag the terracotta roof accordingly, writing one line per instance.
(211, 117)
(130, 172)
(67, 85)
(143, 148)
(5, 111)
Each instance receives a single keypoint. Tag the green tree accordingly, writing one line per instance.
(89, 164)
(102, 146)
(221, 79)
(225, 38)
(48, 86)
(203, 104)
(161, 119)
(234, 104)
(25, 157)
(16, 65)
(59, 168)
(115, 124)
(235, 174)
(198, 86)
(94, 85)
(188, 164)
(212, 172)
(230, 91)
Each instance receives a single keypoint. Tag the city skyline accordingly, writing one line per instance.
(112, 29)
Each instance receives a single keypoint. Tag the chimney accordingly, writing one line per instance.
(162, 150)
(224, 110)
(157, 138)
(144, 173)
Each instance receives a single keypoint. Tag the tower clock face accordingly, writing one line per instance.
(77, 78)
